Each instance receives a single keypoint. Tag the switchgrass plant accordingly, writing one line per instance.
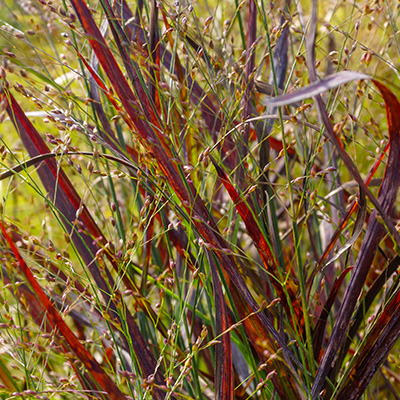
(199, 200)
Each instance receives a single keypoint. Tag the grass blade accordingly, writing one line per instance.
(375, 232)
(68, 203)
(58, 323)
(323, 318)
(378, 343)
(223, 350)
(249, 75)
(317, 88)
(264, 250)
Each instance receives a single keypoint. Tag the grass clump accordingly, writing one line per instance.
(198, 200)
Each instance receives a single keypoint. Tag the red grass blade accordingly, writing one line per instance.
(66, 196)
(263, 248)
(365, 305)
(358, 226)
(58, 323)
(68, 202)
(352, 209)
(133, 108)
(210, 113)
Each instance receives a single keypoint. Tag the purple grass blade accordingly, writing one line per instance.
(248, 75)
(374, 234)
(370, 297)
(317, 88)
(223, 350)
(378, 343)
(365, 305)
(323, 318)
